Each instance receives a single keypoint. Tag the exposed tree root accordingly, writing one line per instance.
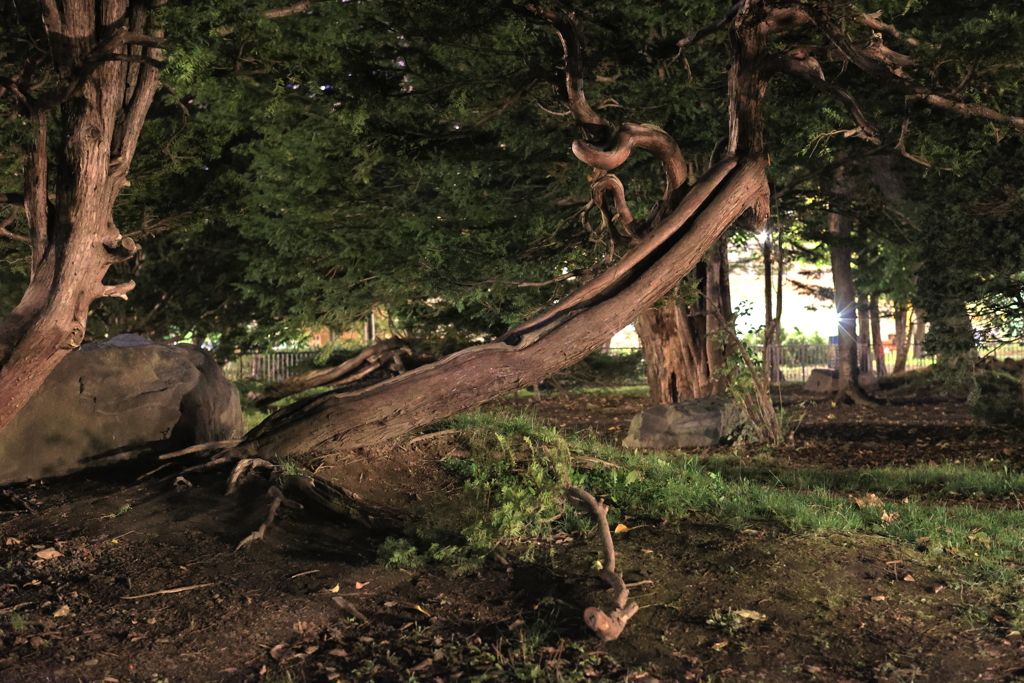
(240, 469)
(607, 626)
(279, 499)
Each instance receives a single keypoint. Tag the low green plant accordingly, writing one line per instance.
(17, 621)
(998, 399)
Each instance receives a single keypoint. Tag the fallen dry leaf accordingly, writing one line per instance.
(277, 652)
(362, 584)
(877, 598)
(49, 554)
(908, 577)
(718, 647)
(888, 517)
(619, 528)
(62, 611)
(337, 587)
(868, 501)
(11, 541)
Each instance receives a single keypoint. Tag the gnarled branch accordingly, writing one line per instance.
(607, 626)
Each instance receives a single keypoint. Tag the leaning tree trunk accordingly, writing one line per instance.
(684, 228)
(683, 350)
(104, 77)
(840, 227)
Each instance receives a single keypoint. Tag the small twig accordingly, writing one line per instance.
(597, 461)
(278, 500)
(15, 498)
(167, 591)
(431, 435)
(350, 608)
(5, 610)
(311, 571)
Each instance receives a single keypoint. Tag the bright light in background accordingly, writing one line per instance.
(762, 237)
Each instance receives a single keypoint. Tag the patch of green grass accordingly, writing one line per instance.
(120, 511)
(515, 471)
(18, 622)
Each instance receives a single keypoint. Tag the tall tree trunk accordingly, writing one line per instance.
(104, 59)
(876, 336)
(900, 365)
(840, 227)
(917, 332)
(863, 333)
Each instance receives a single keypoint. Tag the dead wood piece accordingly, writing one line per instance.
(350, 608)
(18, 500)
(279, 499)
(243, 465)
(209, 446)
(167, 591)
(608, 627)
(432, 435)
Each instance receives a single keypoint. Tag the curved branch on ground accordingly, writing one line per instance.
(607, 626)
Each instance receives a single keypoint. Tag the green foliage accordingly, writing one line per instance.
(998, 399)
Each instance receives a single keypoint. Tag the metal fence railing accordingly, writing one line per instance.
(796, 361)
(265, 367)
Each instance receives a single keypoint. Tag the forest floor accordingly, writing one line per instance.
(111, 579)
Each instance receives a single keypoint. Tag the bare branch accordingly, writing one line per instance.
(287, 11)
(119, 291)
(607, 626)
(710, 28)
(872, 21)
(801, 63)
(645, 136)
(895, 78)
(611, 184)
(594, 127)
(4, 232)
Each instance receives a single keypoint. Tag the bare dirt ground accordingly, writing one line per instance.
(115, 580)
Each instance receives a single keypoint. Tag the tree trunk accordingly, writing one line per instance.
(863, 334)
(876, 336)
(840, 226)
(531, 352)
(900, 365)
(683, 351)
(917, 332)
(669, 375)
(104, 58)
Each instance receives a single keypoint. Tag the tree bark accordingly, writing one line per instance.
(683, 351)
(840, 227)
(900, 365)
(532, 352)
(917, 332)
(103, 55)
(863, 333)
(876, 336)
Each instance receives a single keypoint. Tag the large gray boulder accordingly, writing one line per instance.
(823, 381)
(699, 423)
(119, 399)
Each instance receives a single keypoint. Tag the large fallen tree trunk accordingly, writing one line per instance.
(681, 232)
(478, 374)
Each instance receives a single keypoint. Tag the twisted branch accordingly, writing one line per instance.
(607, 626)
